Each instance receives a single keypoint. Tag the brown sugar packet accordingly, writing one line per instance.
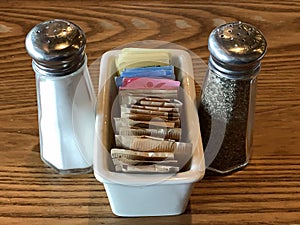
(151, 144)
(134, 96)
(147, 117)
(145, 143)
(122, 160)
(136, 155)
(157, 99)
(154, 168)
(166, 133)
(123, 122)
(142, 117)
(160, 102)
(131, 109)
(156, 108)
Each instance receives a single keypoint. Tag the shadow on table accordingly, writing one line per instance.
(184, 219)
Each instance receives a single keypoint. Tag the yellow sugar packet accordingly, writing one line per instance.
(140, 57)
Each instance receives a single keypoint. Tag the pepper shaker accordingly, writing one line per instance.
(66, 100)
(227, 103)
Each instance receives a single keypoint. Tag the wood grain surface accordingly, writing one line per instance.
(267, 191)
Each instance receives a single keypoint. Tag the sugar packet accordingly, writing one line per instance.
(137, 57)
(149, 83)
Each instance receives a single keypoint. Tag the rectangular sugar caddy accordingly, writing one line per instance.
(146, 194)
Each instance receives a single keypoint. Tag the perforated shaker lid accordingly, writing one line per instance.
(56, 46)
(236, 46)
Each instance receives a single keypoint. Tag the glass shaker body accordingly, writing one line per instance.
(66, 100)
(228, 98)
(66, 120)
(226, 118)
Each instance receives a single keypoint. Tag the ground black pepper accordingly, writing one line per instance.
(227, 102)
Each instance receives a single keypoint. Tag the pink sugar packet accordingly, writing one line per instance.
(149, 83)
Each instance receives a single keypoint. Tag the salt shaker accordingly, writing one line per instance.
(66, 100)
(227, 103)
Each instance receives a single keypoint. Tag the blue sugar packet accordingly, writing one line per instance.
(151, 74)
(119, 81)
(166, 72)
(155, 72)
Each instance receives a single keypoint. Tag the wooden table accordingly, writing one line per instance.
(267, 191)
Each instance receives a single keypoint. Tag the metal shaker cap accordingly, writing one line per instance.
(56, 46)
(236, 48)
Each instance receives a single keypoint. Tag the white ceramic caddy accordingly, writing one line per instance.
(130, 194)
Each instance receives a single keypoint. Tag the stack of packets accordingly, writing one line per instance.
(148, 132)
